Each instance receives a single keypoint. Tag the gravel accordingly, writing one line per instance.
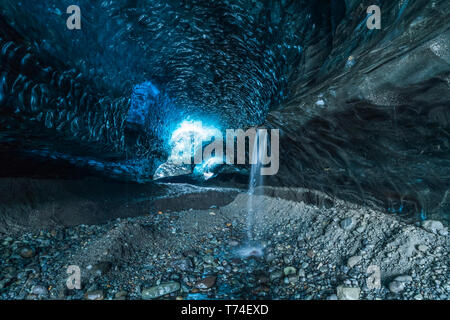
(296, 251)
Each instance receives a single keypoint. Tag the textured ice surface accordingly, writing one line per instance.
(379, 134)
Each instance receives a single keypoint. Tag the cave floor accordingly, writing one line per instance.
(298, 251)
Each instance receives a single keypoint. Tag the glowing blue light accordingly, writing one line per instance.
(196, 128)
(423, 215)
(206, 169)
(188, 139)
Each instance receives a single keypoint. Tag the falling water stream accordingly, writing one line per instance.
(253, 248)
(256, 179)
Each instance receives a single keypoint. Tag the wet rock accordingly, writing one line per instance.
(396, 286)
(353, 261)
(208, 259)
(323, 269)
(348, 293)
(121, 295)
(310, 254)
(270, 257)
(189, 279)
(184, 264)
(206, 283)
(161, 290)
(94, 295)
(422, 248)
(289, 271)
(276, 275)
(292, 278)
(435, 227)
(288, 259)
(347, 224)
(40, 290)
(27, 252)
(404, 278)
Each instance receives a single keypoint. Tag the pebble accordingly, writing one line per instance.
(323, 269)
(159, 291)
(346, 223)
(208, 259)
(292, 278)
(289, 270)
(121, 295)
(184, 264)
(270, 257)
(435, 227)
(404, 278)
(40, 290)
(276, 275)
(94, 295)
(348, 293)
(396, 286)
(353, 261)
(206, 283)
(26, 252)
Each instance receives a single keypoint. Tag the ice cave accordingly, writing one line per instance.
(94, 121)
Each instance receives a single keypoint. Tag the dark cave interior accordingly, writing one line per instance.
(90, 117)
(363, 114)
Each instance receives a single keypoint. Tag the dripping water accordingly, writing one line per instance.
(256, 179)
(259, 148)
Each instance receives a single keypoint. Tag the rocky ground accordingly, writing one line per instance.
(297, 251)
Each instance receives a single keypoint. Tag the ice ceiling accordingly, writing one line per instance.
(136, 69)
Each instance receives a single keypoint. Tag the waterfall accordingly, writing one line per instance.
(252, 247)
(256, 178)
